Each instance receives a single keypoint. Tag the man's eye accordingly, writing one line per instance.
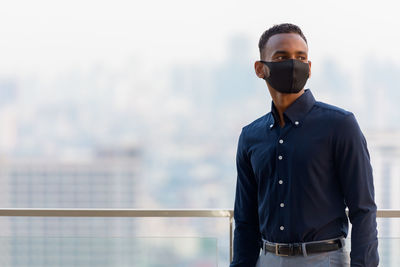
(302, 58)
(280, 58)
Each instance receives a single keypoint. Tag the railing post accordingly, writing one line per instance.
(230, 238)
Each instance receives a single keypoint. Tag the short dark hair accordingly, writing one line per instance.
(276, 29)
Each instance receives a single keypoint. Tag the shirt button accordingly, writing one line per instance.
(281, 141)
(280, 157)
(296, 122)
(280, 182)
(282, 228)
(282, 205)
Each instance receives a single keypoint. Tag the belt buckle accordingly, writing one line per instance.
(277, 250)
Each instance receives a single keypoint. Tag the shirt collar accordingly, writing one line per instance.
(297, 110)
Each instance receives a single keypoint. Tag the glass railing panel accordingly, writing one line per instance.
(108, 251)
(54, 241)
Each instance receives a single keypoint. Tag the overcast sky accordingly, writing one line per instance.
(51, 36)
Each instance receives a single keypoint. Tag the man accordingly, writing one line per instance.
(298, 168)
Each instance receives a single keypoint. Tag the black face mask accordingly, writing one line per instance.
(287, 76)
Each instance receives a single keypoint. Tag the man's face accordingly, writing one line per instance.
(281, 47)
(285, 46)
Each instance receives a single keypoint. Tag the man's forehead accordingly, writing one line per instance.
(285, 41)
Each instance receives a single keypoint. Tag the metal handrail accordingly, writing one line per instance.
(48, 212)
(228, 213)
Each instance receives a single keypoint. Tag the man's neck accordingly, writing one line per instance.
(283, 101)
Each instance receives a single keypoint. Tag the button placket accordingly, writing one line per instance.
(280, 169)
(282, 175)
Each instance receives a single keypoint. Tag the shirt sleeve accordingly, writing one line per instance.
(247, 237)
(355, 174)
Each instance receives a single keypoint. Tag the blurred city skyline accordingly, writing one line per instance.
(185, 128)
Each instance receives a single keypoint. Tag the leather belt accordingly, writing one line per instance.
(293, 249)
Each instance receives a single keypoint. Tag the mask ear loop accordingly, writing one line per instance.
(268, 72)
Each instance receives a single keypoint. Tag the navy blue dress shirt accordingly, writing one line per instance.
(294, 183)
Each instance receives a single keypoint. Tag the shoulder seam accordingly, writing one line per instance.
(332, 108)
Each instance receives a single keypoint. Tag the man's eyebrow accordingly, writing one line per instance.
(280, 52)
(286, 52)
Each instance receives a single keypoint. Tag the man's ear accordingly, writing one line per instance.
(309, 66)
(262, 71)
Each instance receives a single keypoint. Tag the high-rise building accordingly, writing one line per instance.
(108, 180)
(384, 147)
